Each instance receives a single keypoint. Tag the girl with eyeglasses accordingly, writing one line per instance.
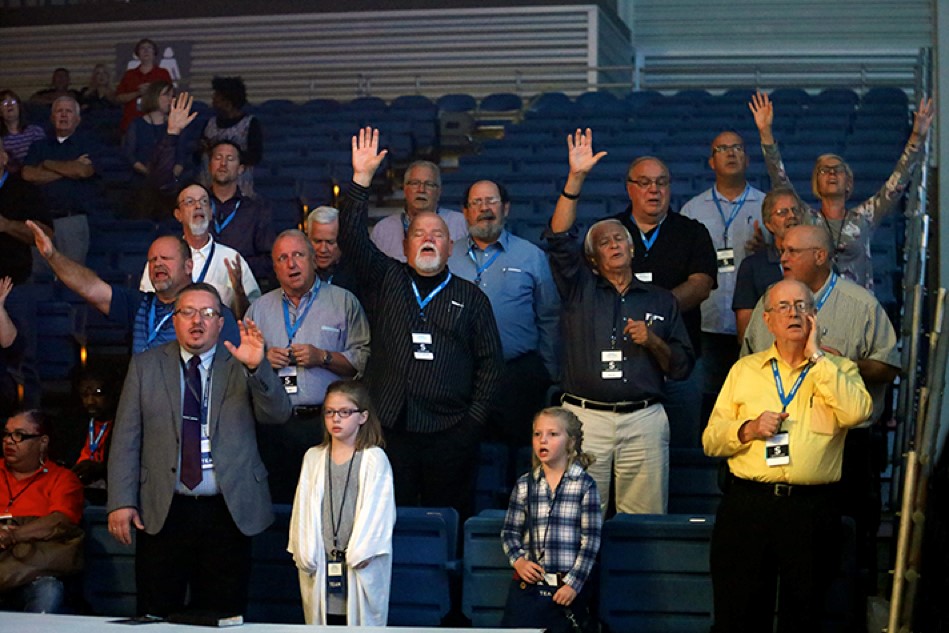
(343, 516)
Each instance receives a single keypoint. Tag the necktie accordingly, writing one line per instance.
(191, 426)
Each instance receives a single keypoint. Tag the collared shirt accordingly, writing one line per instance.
(53, 489)
(522, 293)
(831, 399)
(566, 524)
(336, 322)
(208, 485)
(592, 311)
(758, 272)
(250, 231)
(852, 321)
(217, 272)
(682, 248)
(717, 314)
(852, 234)
(389, 233)
(66, 195)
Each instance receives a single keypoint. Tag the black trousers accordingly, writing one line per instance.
(760, 538)
(435, 469)
(199, 550)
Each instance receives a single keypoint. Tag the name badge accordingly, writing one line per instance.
(611, 361)
(288, 375)
(335, 581)
(646, 278)
(206, 461)
(777, 449)
(422, 346)
(551, 579)
(726, 260)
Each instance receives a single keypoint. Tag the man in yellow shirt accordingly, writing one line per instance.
(781, 419)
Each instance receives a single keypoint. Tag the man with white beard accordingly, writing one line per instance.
(214, 263)
(436, 355)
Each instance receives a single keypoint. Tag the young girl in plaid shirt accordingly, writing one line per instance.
(559, 543)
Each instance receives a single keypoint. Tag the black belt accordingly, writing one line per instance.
(308, 410)
(781, 489)
(614, 407)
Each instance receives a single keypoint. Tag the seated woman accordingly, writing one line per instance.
(99, 94)
(17, 135)
(39, 502)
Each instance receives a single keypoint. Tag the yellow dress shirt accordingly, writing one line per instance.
(831, 399)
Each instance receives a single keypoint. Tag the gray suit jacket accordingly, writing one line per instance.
(143, 460)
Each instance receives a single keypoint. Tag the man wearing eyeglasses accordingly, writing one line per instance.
(34, 487)
(781, 210)
(853, 325)
(676, 253)
(516, 277)
(422, 186)
(184, 469)
(728, 209)
(214, 263)
(781, 419)
(316, 333)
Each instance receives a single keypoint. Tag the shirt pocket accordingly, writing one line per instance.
(332, 337)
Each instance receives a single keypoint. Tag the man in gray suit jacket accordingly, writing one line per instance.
(184, 467)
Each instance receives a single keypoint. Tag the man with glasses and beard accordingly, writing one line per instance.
(516, 277)
(436, 355)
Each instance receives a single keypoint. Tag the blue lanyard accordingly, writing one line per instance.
(405, 224)
(786, 400)
(830, 288)
(94, 440)
(301, 315)
(207, 264)
(479, 270)
(3, 178)
(422, 303)
(153, 329)
(218, 226)
(652, 240)
(736, 207)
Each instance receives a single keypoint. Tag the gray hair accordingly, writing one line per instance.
(75, 104)
(423, 163)
(321, 215)
(588, 247)
(298, 233)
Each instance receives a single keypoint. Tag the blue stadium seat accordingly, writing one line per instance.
(424, 556)
(457, 103)
(641, 100)
(553, 103)
(414, 103)
(366, 104)
(320, 106)
(693, 482)
(603, 102)
(501, 102)
(842, 96)
(885, 95)
(108, 574)
(654, 573)
(491, 483)
(274, 587)
(790, 96)
(486, 573)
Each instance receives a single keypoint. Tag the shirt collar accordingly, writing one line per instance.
(503, 242)
(206, 249)
(306, 295)
(206, 357)
(772, 354)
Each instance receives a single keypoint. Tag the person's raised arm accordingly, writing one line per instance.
(763, 111)
(582, 160)
(366, 156)
(81, 280)
(7, 327)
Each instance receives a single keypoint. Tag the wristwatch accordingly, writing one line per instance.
(816, 356)
(327, 358)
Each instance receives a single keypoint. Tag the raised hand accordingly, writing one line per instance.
(43, 244)
(180, 115)
(366, 155)
(580, 152)
(234, 271)
(6, 285)
(763, 111)
(923, 118)
(813, 337)
(251, 350)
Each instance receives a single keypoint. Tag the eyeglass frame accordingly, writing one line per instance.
(423, 184)
(480, 203)
(738, 148)
(785, 308)
(344, 414)
(206, 314)
(23, 436)
(661, 182)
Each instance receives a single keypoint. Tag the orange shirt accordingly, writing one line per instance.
(53, 489)
(99, 456)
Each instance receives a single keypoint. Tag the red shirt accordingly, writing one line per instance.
(131, 80)
(99, 455)
(52, 489)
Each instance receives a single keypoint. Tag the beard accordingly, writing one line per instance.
(429, 263)
(486, 233)
(199, 227)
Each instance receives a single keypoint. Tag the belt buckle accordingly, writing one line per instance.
(783, 490)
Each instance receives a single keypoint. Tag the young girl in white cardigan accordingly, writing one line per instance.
(343, 515)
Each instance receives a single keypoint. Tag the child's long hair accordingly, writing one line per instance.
(370, 433)
(574, 430)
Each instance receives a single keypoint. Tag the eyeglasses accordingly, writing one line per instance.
(785, 211)
(19, 436)
(831, 169)
(9, 101)
(206, 314)
(191, 203)
(342, 413)
(645, 183)
(785, 308)
(738, 148)
(794, 252)
(478, 203)
(283, 258)
(422, 184)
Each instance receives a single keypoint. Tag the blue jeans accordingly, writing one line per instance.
(43, 595)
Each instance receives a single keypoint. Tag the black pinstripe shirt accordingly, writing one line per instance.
(421, 396)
